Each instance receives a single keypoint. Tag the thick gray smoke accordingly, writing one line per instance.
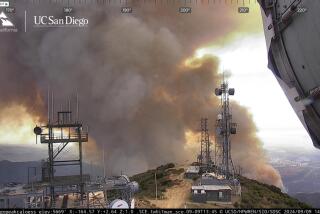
(136, 93)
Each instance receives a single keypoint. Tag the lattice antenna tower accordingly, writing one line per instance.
(225, 128)
(61, 130)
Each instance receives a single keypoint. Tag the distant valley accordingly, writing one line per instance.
(300, 172)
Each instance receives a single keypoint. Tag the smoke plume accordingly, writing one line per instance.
(140, 89)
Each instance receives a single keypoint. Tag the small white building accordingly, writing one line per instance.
(215, 188)
(211, 193)
(192, 172)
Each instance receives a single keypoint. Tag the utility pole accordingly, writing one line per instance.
(155, 181)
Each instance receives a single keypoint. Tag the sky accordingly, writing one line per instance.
(245, 57)
(257, 89)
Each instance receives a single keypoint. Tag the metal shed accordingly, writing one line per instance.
(211, 193)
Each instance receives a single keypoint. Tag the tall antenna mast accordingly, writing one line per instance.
(48, 107)
(52, 106)
(103, 162)
(69, 109)
(77, 112)
(204, 158)
(225, 128)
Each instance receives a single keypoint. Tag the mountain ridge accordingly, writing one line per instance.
(174, 191)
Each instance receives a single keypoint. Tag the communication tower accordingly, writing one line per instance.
(225, 128)
(204, 158)
(61, 130)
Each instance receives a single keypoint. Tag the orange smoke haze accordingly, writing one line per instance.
(247, 149)
(140, 88)
(16, 125)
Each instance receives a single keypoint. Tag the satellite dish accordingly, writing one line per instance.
(37, 130)
(125, 178)
(218, 92)
(119, 204)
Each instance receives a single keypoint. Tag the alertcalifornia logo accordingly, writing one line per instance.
(67, 21)
(6, 25)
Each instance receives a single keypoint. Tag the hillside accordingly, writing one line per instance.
(309, 198)
(174, 192)
(259, 195)
(18, 171)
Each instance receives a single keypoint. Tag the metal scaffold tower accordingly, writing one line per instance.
(225, 128)
(60, 131)
(204, 158)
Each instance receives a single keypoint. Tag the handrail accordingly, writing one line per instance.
(65, 137)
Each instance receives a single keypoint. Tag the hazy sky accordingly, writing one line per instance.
(258, 89)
